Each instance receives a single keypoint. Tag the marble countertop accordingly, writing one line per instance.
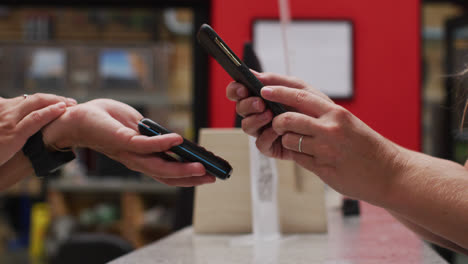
(373, 237)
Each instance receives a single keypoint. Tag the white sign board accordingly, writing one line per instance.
(320, 53)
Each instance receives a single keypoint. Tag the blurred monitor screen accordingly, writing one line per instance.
(319, 52)
(124, 69)
(46, 69)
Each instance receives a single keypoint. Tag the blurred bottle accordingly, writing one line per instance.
(40, 218)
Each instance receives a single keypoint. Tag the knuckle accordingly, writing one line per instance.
(246, 127)
(260, 145)
(283, 121)
(36, 116)
(332, 128)
(340, 118)
(275, 124)
(7, 126)
(245, 106)
(39, 97)
(44, 99)
(341, 114)
(301, 96)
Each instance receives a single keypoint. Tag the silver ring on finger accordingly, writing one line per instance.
(25, 96)
(300, 144)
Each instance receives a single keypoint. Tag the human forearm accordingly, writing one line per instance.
(433, 194)
(13, 171)
(348, 155)
(428, 235)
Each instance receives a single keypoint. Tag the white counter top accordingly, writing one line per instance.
(374, 237)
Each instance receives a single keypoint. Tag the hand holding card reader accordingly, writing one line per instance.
(188, 151)
(237, 69)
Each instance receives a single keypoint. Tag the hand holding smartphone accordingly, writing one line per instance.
(237, 69)
(189, 151)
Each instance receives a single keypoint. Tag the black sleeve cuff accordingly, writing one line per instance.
(44, 161)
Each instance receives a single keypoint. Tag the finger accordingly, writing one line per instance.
(188, 182)
(306, 161)
(250, 105)
(291, 141)
(295, 122)
(303, 101)
(153, 165)
(137, 143)
(36, 120)
(268, 78)
(236, 91)
(266, 139)
(253, 124)
(165, 156)
(37, 101)
(269, 143)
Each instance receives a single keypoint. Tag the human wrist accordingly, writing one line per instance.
(61, 134)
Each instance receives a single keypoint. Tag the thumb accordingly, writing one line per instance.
(268, 78)
(36, 120)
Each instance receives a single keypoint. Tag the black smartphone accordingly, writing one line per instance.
(237, 69)
(189, 151)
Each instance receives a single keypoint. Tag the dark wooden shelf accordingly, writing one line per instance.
(111, 185)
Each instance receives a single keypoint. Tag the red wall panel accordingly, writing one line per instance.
(387, 58)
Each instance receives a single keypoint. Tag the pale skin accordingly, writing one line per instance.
(22, 117)
(109, 127)
(427, 194)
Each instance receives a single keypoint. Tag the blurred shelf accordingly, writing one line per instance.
(154, 99)
(136, 98)
(30, 186)
(80, 42)
(111, 185)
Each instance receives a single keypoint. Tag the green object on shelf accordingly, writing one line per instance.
(106, 214)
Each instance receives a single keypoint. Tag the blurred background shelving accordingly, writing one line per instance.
(141, 53)
(69, 48)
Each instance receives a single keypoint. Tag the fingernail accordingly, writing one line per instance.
(61, 105)
(72, 101)
(266, 91)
